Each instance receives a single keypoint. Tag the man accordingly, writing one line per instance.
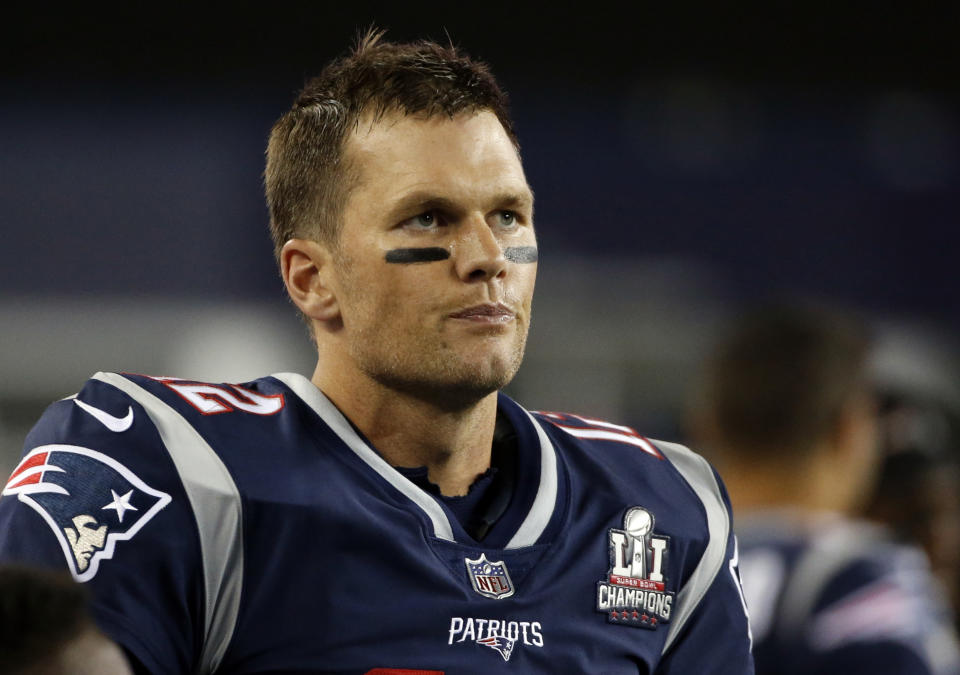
(45, 627)
(395, 513)
(788, 414)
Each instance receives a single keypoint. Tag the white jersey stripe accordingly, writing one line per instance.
(562, 418)
(329, 413)
(698, 474)
(609, 425)
(217, 509)
(526, 535)
(546, 499)
(599, 434)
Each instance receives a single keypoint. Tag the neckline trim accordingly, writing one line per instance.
(536, 519)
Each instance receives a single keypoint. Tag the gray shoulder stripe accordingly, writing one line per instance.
(334, 419)
(217, 509)
(698, 474)
(546, 499)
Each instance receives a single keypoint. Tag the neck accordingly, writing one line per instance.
(408, 431)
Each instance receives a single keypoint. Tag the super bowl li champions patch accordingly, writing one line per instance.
(634, 592)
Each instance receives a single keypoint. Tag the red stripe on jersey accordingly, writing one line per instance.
(36, 460)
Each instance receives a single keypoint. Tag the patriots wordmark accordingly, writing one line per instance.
(500, 635)
(634, 592)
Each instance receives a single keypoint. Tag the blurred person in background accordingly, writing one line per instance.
(46, 629)
(917, 494)
(786, 411)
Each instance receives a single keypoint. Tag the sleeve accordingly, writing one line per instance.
(710, 630)
(96, 493)
(716, 639)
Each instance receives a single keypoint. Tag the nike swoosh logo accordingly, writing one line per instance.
(116, 424)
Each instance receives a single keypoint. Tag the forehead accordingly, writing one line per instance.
(468, 156)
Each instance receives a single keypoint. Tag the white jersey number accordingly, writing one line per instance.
(213, 399)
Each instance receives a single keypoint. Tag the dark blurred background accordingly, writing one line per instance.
(687, 159)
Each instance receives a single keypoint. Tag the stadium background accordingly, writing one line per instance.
(685, 161)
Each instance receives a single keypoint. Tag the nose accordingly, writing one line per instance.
(479, 256)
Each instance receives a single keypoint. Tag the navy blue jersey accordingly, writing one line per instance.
(834, 596)
(251, 529)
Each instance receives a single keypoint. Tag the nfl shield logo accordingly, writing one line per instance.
(489, 578)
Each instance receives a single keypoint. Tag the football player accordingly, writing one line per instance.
(394, 512)
(788, 414)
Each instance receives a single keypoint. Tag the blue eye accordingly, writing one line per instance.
(423, 221)
(508, 219)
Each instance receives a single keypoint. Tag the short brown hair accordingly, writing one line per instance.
(782, 376)
(307, 178)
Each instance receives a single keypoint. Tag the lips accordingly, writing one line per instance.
(486, 312)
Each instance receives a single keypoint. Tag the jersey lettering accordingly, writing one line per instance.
(213, 399)
(588, 428)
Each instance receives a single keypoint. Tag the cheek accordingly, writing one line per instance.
(524, 282)
(402, 293)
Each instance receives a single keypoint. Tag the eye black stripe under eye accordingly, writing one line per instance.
(521, 254)
(417, 255)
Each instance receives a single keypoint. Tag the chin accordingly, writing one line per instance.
(452, 378)
(461, 395)
(474, 381)
(491, 372)
(453, 388)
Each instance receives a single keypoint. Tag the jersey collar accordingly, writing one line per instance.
(532, 509)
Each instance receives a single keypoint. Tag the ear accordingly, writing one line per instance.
(855, 430)
(306, 267)
(856, 451)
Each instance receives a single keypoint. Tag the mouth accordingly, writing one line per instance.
(486, 313)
